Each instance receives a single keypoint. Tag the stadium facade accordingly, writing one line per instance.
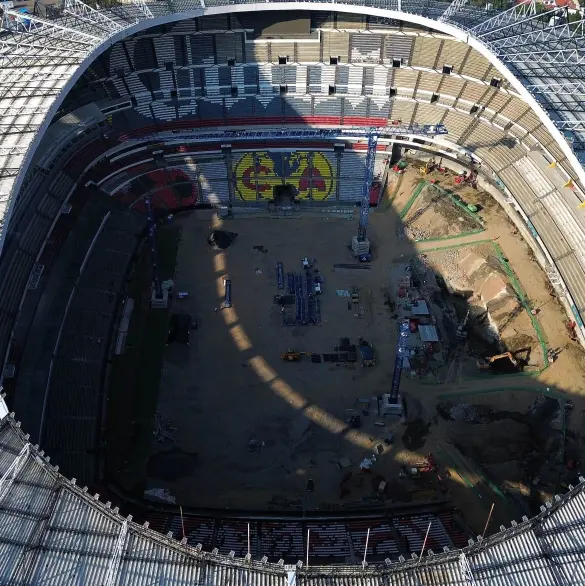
(507, 85)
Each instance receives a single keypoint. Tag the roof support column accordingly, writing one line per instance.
(13, 471)
(114, 565)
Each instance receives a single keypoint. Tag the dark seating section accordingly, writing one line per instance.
(73, 413)
(329, 540)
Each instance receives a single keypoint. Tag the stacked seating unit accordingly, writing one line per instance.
(196, 530)
(282, 539)
(414, 528)
(381, 543)
(329, 540)
(233, 536)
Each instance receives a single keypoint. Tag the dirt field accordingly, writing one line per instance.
(230, 386)
(436, 215)
(254, 432)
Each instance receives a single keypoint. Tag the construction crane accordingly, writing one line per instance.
(361, 244)
(228, 136)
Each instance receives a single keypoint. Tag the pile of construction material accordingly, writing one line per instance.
(163, 429)
(470, 413)
(306, 289)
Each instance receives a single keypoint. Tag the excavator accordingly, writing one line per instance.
(293, 355)
(499, 363)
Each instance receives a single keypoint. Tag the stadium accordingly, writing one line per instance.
(292, 292)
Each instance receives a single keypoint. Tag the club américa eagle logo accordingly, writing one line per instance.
(268, 169)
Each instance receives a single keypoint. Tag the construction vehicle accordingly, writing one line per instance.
(470, 178)
(499, 363)
(293, 355)
(572, 330)
(400, 166)
(430, 166)
(367, 353)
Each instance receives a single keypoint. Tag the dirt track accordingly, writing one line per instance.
(230, 387)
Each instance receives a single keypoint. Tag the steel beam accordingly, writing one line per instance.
(91, 16)
(576, 89)
(23, 110)
(465, 570)
(114, 564)
(570, 124)
(557, 33)
(561, 57)
(12, 49)
(143, 8)
(453, 8)
(26, 23)
(12, 150)
(507, 18)
(13, 471)
(24, 92)
(23, 78)
(9, 172)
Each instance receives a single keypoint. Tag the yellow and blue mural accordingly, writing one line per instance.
(301, 169)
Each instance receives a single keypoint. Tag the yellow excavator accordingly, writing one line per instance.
(500, 362)
(293, 355)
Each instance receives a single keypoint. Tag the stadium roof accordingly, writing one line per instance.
(41, 58)
(53, 532)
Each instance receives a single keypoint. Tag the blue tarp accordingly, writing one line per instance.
(367, 352)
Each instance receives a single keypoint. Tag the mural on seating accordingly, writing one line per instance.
(264, 170)
(170, 190)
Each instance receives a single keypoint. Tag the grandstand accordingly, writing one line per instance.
(74, 532)
(101, 104)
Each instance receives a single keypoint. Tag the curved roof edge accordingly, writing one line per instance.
(367, 8)
(55, 532)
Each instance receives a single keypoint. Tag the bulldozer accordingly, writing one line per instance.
(498, 363)
(293, 355)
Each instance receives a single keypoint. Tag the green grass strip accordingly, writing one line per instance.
(492, 390)
(452, 237)
(417, 191)
(391, 196)
(459, 203)
(524, 301)
(453, 246)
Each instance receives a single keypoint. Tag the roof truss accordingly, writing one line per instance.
(576, 89)
(560, 57)
(511, 16)
(92, 16)
(13, 471)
